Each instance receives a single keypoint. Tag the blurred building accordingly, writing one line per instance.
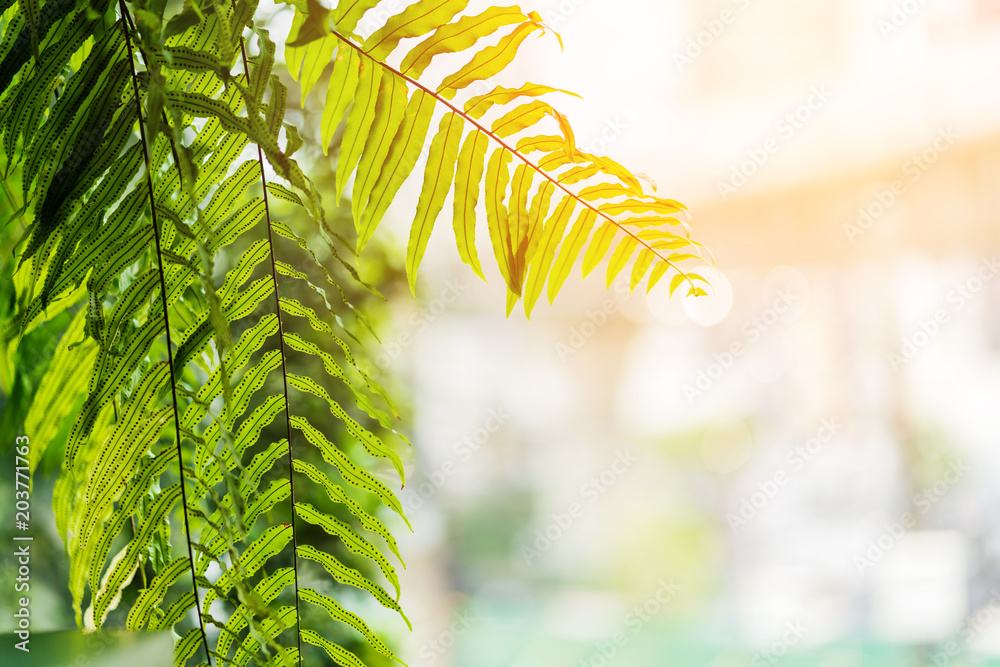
(804, 465)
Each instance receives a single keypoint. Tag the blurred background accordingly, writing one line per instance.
(799, 469)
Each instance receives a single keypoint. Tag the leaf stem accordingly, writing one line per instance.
(166, 320)
(284, 368)
(512, 150)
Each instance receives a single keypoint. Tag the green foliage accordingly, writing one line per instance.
(179, 293)
(387, 112)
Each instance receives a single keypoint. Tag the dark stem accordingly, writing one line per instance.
(166, 322)
(284, 368)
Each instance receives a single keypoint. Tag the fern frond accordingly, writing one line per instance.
(368, 92)
(138, 186)
(221, 443)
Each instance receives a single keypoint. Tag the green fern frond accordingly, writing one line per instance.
(136, 181)
(221, 444)
(386, 113)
